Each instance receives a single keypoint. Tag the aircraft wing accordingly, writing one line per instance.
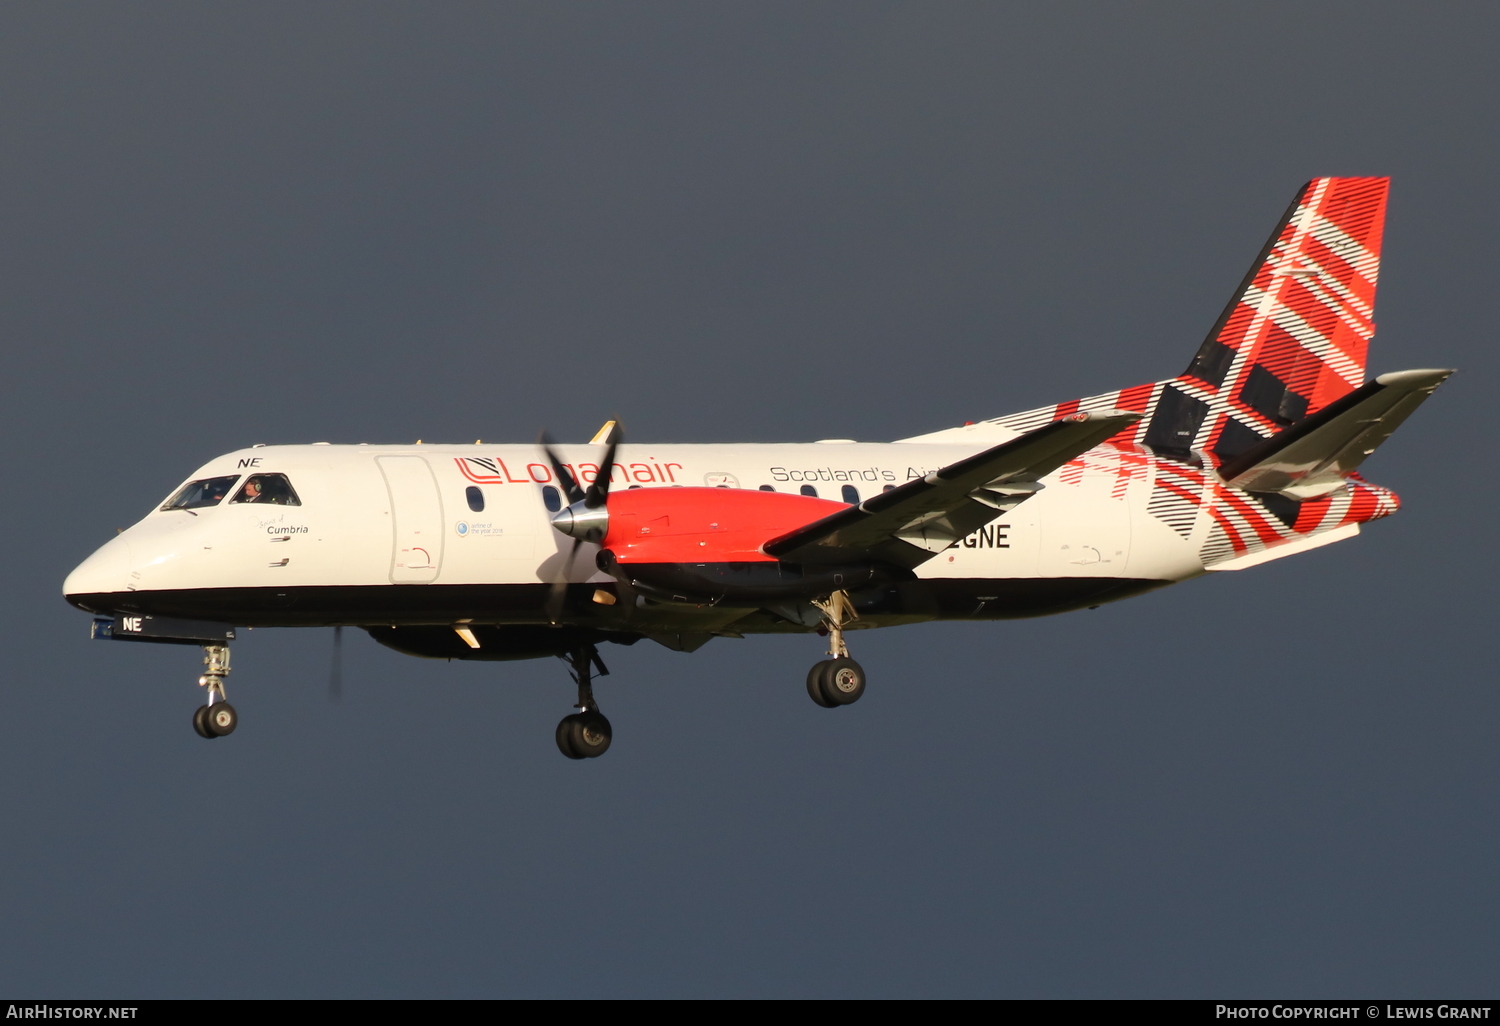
(1311, 458)
(914, 522)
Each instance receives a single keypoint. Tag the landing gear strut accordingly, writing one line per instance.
(839, 680)
(217, 718)
(585, 734)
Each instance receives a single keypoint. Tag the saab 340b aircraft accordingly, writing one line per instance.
(523, 551)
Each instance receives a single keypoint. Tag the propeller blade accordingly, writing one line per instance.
(559, 590)
(336, 669)
(569, 486)
(599, 491)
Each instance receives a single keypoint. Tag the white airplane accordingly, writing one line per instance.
(523, 551)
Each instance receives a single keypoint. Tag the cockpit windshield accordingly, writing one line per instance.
(197, 494)
(273, 489)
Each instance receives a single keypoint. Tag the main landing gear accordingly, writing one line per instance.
(839, 680)
(585, 734)
(217, 718)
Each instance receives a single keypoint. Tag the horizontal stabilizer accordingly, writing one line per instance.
(1292, 548)
(1312, 457)
(911, 524)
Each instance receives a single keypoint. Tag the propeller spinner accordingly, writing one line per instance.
(586, 516)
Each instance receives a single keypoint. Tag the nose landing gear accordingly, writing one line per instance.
(217, 718)
(839, 680)
(585, 734)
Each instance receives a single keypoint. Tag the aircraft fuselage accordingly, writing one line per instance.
(441, 534)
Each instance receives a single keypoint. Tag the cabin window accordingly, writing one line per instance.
(809, 490)
(888, 488)
(475, 497)
(551, 498)
(271, 489)
(197, 494)
(767, 488)
(851, 495)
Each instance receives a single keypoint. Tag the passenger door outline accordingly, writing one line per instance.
(416, 519)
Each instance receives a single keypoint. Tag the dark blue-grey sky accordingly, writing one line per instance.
(236, 223)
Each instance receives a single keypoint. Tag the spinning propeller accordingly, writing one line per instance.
(336, 667)
(586, 516)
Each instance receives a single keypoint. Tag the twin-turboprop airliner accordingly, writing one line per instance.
(501, 552)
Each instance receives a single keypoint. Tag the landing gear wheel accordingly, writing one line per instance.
(200, 724)
(221, 719)
(592, 735)
(844, 681)
(815, 684)
(584, 735)
(565, 735)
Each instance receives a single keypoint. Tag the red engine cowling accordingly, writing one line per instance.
(697, 525)
(704, 545)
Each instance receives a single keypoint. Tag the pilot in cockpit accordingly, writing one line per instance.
(273, 489)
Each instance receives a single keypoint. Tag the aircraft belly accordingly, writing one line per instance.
(1022, 598)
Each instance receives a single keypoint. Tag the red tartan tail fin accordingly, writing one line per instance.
(1295, 336)
(1291, 341)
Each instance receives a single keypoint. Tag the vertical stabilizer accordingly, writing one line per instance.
(1292, 340)
(1295, 336)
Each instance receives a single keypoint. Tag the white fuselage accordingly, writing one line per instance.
(401, 516)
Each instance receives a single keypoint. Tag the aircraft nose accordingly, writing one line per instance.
(107, 570)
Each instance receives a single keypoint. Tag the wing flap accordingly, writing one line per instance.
(1313, 457)
(914, 522)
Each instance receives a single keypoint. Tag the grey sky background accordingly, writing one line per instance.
(237, 223)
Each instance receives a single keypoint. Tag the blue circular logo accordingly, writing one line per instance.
(462, 528)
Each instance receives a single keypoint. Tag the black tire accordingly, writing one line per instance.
(201, 725)
(815, 684)
(221, 719)
(843, 681)
(589, 734)
(565, 737)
